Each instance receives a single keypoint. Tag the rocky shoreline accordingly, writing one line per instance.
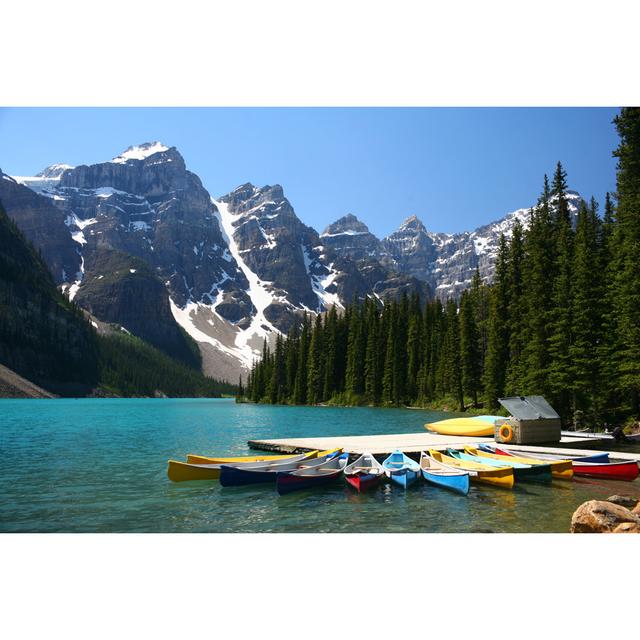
(616, 514)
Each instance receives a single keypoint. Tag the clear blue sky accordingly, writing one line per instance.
(455, 168)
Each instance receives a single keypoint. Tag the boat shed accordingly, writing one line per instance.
(532, 420)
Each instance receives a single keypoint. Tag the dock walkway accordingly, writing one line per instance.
(416, 442)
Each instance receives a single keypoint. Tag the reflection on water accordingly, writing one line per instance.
(100, 465)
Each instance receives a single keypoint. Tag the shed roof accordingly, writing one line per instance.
(529, 408)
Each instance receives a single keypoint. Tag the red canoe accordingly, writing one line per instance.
(363, 481)
(611, 470)
(626, 470)
(365, 473)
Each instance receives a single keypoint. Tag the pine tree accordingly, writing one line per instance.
(354, 377)
(538, 274)
(450, 364)
(626, 247)
(389, 356)
(560, 319)
(315, 378)
(330, 354)
(586, 315)
(371, 370)
(470, 348)
(414, 351)
(498, 330)
(300, 384)
(291, 361)
(278, 373)
(516, 314)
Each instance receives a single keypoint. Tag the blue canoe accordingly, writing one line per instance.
(443, 475)
(596, 458)
(521, 472)
(401, 469)
(260, 472)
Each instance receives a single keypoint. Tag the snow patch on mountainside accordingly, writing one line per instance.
(247, 343)
(319, 284)
(140, 152)
(258, 290)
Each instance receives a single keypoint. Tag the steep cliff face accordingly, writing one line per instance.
(42, 336)
(43, 224)
(351, 238)
(122, 289)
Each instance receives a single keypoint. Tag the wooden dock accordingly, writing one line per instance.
(416, 442)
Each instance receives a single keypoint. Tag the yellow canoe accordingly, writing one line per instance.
(178, 471)
(461, 427)
(498, 476)
(562, 469)
(196, 459)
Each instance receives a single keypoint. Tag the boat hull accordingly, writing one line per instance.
(560, 469)
(363, 481)
(403, 477)
(628, 471)
(287, 483)
(457, 483)
(182, 471)
(499, 477)
(235, 477)
(529, 473)
(462, 427)
(193, 458)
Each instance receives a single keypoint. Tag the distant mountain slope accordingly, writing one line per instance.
(234, 270)
(46, 339)
(446, 262)
(43, 336)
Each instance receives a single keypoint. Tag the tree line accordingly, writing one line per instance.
(561, 319)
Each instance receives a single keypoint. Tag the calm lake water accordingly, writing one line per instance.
(100, 466)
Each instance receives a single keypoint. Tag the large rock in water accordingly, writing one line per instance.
(624, 501)
(599, 516)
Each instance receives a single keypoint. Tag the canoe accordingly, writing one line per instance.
(260, 472)
(624, 470)
(401, 469)
(443, 475)
(462, 427)
(596, 457)
(197, 459)
(498, 476)
(522, 472)
(309, 476)
(365, 473)
(562, 469)
(183, 471)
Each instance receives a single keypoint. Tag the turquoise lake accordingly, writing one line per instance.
(94, 465)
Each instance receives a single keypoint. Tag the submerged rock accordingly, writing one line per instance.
(600, 516)
(624, 501)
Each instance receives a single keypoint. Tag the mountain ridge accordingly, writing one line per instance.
(238, 268)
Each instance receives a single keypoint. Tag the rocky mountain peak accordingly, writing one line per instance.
(413, 224)
(140, 152)
(53, 171)
(348, 224)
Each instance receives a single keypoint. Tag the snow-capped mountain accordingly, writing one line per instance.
(138, 241)
(446, 262)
